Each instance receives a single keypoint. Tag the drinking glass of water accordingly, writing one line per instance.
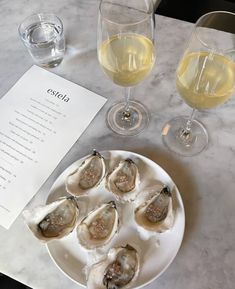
(43, 36)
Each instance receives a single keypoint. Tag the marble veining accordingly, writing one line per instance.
(206, 259)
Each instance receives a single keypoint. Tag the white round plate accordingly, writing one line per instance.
(157, 251)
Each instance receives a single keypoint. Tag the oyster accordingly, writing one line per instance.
(124, 180)
(156, 213)
(87, 176)
(118, 271)
(99, 227)
(53, 221)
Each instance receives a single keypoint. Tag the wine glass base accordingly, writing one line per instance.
(185, 144)
(132, 125)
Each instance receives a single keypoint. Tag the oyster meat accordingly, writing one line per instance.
(53, 221)
(99, 227)
(124, 181)
(87, 176)
(156, 213)
(118, 270)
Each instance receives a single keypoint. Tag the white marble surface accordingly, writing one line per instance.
(206, 259)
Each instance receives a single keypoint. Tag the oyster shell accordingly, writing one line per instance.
(87, 176)
(99, 227)
(117, 271)
(53, 221)
(124, 180)
(156, 213)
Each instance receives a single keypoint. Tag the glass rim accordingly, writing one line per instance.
(148, 14)
(204, 16)
(38, 15)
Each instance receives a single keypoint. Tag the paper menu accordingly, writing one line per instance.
(41, 117)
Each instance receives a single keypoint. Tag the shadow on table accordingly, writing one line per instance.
(8, 283)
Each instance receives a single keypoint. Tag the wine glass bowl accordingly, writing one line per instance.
(126, 53)
(126, 59)
(205, 78)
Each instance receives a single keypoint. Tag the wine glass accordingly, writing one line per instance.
(126, 54)
(205, 78)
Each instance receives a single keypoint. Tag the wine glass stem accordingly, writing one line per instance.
(126, 112)
(186, 133)
(189, 122)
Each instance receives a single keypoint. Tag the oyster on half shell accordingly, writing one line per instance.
(99, 226)
(156, 213)
(53, 221)
(123, 181)
(87, 176)
(117, 271)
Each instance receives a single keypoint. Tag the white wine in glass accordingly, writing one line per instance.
(126, 54)
(205, 78)
(127, 59)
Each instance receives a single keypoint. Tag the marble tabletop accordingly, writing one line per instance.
(206, 259)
